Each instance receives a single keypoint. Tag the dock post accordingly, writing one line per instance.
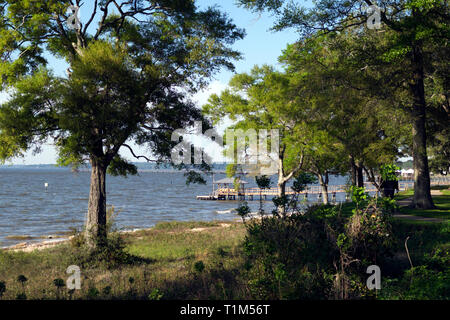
(333, 197)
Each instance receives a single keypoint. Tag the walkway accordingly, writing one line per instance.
(408, 202)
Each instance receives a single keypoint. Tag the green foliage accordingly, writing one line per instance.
(93, 293)
(109, 254)
(120, 167)
(265, 99)
(358, 195)
(404, 68)
(281, 202)
(289, 258)
(388, 205)
(298, 256)
(388, 172)
(59, 283)
(302, 180)
(106, 290)
(424, 282)
(194, 177)
(263, 182)
(21, 296)
(156, 294)
(199, 266)
(22, 279)
(243, 210)
(123, 81)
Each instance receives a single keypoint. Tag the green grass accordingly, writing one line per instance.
(404, 194)
(442, 203)
(165, 259)
(442, 210)
(176, 241)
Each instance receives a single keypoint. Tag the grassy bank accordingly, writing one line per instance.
(206, 260)
(179, 260)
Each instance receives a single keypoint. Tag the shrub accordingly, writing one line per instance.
(109, 254)
(431, 280)
(316, 255)
(290, 257)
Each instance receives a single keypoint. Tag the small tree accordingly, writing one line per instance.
(262, 100)
(263, 182)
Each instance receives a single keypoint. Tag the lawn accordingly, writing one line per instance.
(178, 260)
(442, 203)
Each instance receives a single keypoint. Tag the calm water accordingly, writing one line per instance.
(27, 208)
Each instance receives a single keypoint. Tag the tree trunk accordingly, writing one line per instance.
(353, 170)
(422, 193)
(281, 193)
(360, 175)
(96, 217)
(281, 189)
(324, 184)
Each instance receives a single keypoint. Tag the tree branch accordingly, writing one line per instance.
(136, 156)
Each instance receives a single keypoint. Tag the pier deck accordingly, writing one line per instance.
(255, 193)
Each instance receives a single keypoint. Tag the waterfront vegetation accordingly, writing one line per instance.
(251, 260)
(349, 100)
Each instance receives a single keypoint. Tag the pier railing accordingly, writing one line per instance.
(403, 185)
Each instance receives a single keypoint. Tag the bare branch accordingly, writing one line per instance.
(295, 170)
(94, 12)
(136, 156)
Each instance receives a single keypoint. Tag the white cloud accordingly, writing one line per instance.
(214, 87)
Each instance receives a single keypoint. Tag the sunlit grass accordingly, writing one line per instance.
(442, 210)
(170, 251)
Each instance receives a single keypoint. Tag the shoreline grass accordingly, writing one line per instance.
(175, 260)
(166, 269)
(187, 260)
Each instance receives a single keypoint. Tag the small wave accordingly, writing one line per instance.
(20, 237)
(226, 211)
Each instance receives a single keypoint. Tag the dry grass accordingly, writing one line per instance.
(163, 266)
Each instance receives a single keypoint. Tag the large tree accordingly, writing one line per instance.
(359, 131)
(263, 100)
(412, 27)
(128, 81)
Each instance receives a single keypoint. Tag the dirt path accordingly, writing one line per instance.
(408, 201)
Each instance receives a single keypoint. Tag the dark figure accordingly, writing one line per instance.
(389, 188)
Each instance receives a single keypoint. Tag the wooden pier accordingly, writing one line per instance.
(226, 193)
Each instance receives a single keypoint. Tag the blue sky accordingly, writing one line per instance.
(260, 46)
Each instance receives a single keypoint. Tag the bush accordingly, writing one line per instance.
(291, 257)
(109, 255)
(317, 255)
(428, 281)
